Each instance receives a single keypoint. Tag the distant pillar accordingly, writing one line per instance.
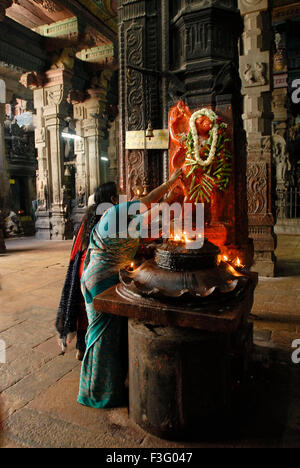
(113, 151)
(256, 89)
(91, 124)
(4, 186)
(50, 102)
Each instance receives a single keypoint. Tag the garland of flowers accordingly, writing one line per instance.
(215, 170)
(214, 133)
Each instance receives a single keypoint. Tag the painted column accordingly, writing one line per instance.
(256, 88)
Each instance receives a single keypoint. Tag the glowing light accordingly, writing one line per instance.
(138, 192)
(131, 268)
(177, 238)
(70, 136)
(225, 258)
(186, 239)
(238, 263)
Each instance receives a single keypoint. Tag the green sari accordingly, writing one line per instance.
(105, 363)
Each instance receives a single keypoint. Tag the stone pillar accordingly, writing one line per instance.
(4, 186)
(113, 151)
(256, 88)
(51, 110)
(140, 89)
(91, 123)
(204, 60)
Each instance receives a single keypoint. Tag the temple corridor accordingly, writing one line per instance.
(39, 387)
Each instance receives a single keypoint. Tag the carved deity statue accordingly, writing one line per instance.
(281, 157)
(65, 60)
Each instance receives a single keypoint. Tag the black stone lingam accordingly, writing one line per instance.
(196, 275)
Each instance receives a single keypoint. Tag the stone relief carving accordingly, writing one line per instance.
(32, 80)
(257, 187)
(40, 135)
(81, 202)
(136, 175)
(65, 60)
(101, 81)
(256, 76)
(49, 5)
(281, 159)
(249, 6)
(42, 195)
(134, 83)
(54, 95)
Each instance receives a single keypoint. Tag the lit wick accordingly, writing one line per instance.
(131, 268)
(238, 263)
(225, 258)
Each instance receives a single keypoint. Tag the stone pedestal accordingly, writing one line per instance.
(179, 379)
(255, 73)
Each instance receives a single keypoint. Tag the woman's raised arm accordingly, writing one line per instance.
(160, 191)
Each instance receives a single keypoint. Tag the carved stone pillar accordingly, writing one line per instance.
(255, 73)
(51, 110)
(139, 34)
(91, 122)
(113, 151)
(4, 187)
(204, 59)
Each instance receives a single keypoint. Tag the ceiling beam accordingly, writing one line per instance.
(92, 20)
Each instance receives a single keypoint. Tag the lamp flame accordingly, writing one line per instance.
(238, 263)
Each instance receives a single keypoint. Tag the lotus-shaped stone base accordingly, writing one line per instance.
(218, 281)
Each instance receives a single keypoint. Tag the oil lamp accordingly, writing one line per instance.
(149, 131)
(238, 264)
(131, 268)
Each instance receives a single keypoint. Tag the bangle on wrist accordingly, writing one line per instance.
(168, 185)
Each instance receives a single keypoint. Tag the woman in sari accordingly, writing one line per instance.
(105, 364)
(71, 316)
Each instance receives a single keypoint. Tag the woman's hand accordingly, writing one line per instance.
(176, 174)
(160, 191)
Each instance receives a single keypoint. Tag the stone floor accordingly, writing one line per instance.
(38, 387)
